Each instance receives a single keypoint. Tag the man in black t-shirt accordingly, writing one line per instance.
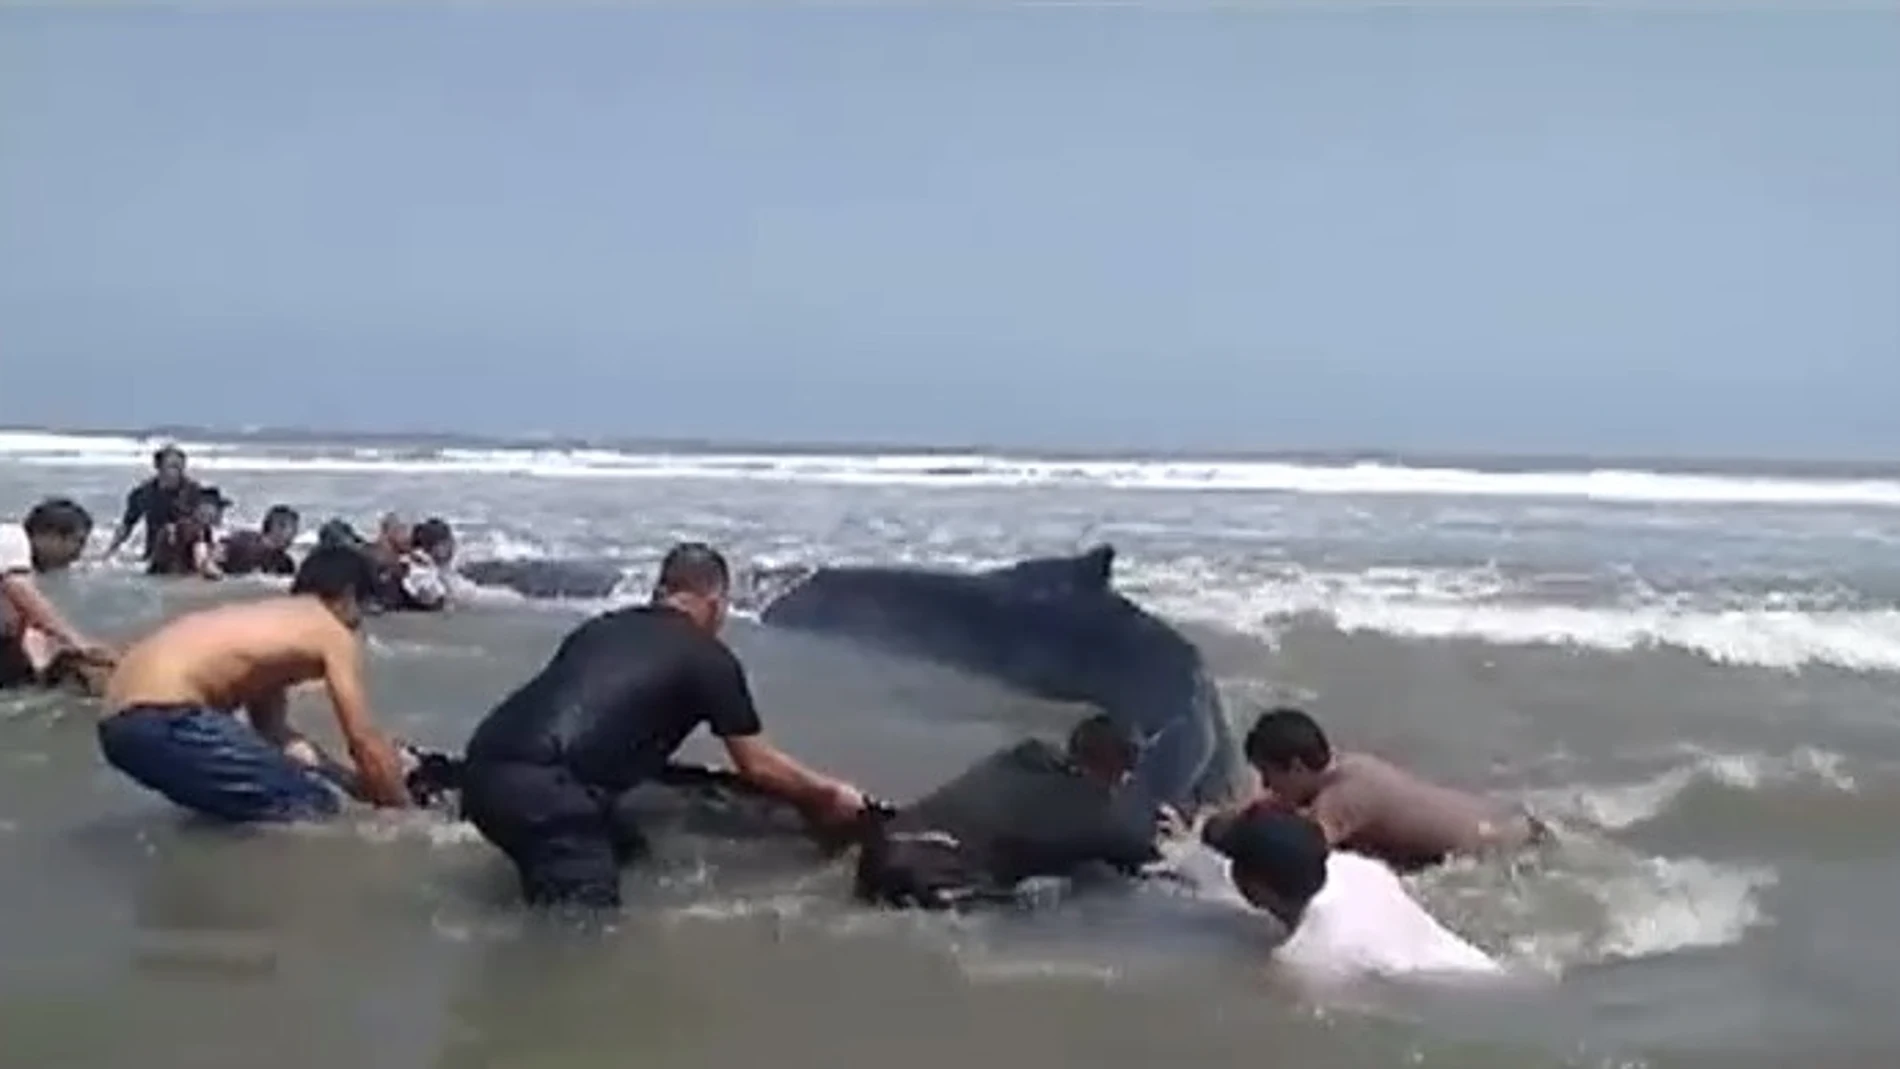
(620, 695)
(1025, 811)
(158, 502)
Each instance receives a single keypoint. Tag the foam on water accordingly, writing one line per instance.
(1363, 478)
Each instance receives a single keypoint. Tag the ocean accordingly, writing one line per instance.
(1692, 669)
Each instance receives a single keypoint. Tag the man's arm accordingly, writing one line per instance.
(733, 717)
(270, 718)
(204, 556)
(37, 612)
(135, 509)
(378, 766)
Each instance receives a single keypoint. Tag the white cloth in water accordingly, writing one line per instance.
(422, 581)
(1365, 921)
(16, 549)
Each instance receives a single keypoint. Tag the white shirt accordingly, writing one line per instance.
(16, 550)
(1364, 921)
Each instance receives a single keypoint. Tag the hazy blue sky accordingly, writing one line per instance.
(1556, 230)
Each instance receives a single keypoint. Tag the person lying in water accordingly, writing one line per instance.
(1026, 811)
(38, 647)
(1365, 804)
(197, 711)
(1342, 915)
(264, 551)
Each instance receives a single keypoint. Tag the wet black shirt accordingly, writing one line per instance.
(246, 552)
(622, 692)
(1026, 811)
(157, 507)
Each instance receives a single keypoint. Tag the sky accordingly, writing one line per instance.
(1556, 230)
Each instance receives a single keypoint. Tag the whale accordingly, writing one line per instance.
(1050, 627)
(547, 580)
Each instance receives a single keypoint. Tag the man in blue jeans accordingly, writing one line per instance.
(172, 705)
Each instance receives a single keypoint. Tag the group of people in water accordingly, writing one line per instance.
(197, 712)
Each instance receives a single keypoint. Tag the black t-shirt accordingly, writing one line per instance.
(621, 694)
(1026, 811)
(157, 507)
(246, 552)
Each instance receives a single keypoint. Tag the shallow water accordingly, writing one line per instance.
(1701, 693)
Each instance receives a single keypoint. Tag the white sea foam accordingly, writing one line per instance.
(934, 469)
(1478, 605)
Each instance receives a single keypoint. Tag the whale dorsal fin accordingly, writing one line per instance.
(1086, 573)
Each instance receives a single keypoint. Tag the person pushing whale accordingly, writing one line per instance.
(622, 692)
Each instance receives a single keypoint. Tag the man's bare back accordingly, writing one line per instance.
(171, 718)
(231, 657)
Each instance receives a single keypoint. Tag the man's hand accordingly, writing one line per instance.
(836, 805)
(379, 770)
(95, 652)
(1169, 823)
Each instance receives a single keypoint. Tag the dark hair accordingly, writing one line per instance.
(430, 533)
(1284, 737)
(60, 517)
(1285, 851)
(330, 572)
(163, 451)
(281, 514)
(1099, 742)
(693, 568)
(209, 495)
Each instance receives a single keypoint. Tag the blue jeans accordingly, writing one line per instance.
(209, 761)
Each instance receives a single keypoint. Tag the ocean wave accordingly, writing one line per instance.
(1366, 478)
(1765, 629)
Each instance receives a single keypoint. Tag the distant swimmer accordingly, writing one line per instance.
(418, 581)
(157, 502)
(1346, 916)
(172, 719)
(410, 564)
(35, 639)
(264, 551)
(188, 545)
(1371, 806)
(1026, 811)
(621, 693)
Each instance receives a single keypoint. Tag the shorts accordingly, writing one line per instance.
(566, 844)
(16, 668)
(213, 763)
(920, 869)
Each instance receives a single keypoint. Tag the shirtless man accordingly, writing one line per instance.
(33, 634)
(1372, 807)
(172, 705)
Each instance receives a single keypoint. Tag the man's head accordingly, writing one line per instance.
(393, 532)
(169, 463)
(1291, 754)
(57, 529)
(338, 576)
(280, 526)
(1103, 750)
(435, 539)
(1278, 859)
(695, 580)
(208, 505)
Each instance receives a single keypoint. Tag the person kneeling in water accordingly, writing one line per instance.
(1026, 811)
(545, 768)
(265, 551)
(37, 646)
(1345, 915)
(172, 704)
